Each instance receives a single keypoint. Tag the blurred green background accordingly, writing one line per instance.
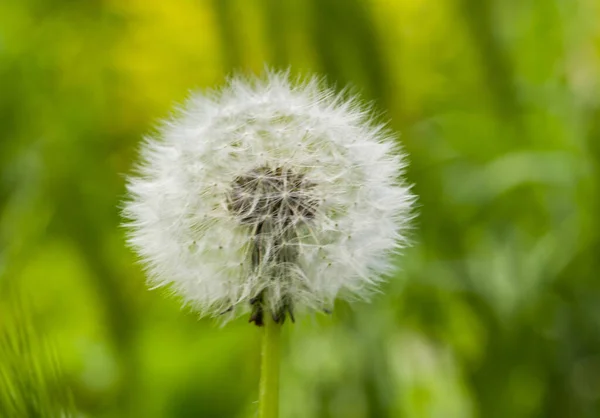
(495, 311)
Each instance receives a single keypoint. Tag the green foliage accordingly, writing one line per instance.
(31, 381)
(494, 312)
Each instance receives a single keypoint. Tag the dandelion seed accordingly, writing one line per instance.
(269, 196)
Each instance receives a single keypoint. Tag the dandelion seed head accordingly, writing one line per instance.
(269, 195)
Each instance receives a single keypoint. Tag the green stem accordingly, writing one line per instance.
(268, 401)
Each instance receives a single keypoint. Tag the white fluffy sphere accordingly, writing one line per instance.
(268, 195)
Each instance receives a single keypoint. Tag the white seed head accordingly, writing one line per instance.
(269, 195)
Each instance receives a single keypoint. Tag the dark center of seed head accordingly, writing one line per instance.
(272, 201)
(277, 196)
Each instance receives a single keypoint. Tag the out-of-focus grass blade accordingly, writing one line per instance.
(31, 382)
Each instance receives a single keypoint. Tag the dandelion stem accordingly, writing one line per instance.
(268, 402)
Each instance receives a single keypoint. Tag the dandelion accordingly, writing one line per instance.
(269, 197)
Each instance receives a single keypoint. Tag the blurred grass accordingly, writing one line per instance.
(31, 380)
(495, 310)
